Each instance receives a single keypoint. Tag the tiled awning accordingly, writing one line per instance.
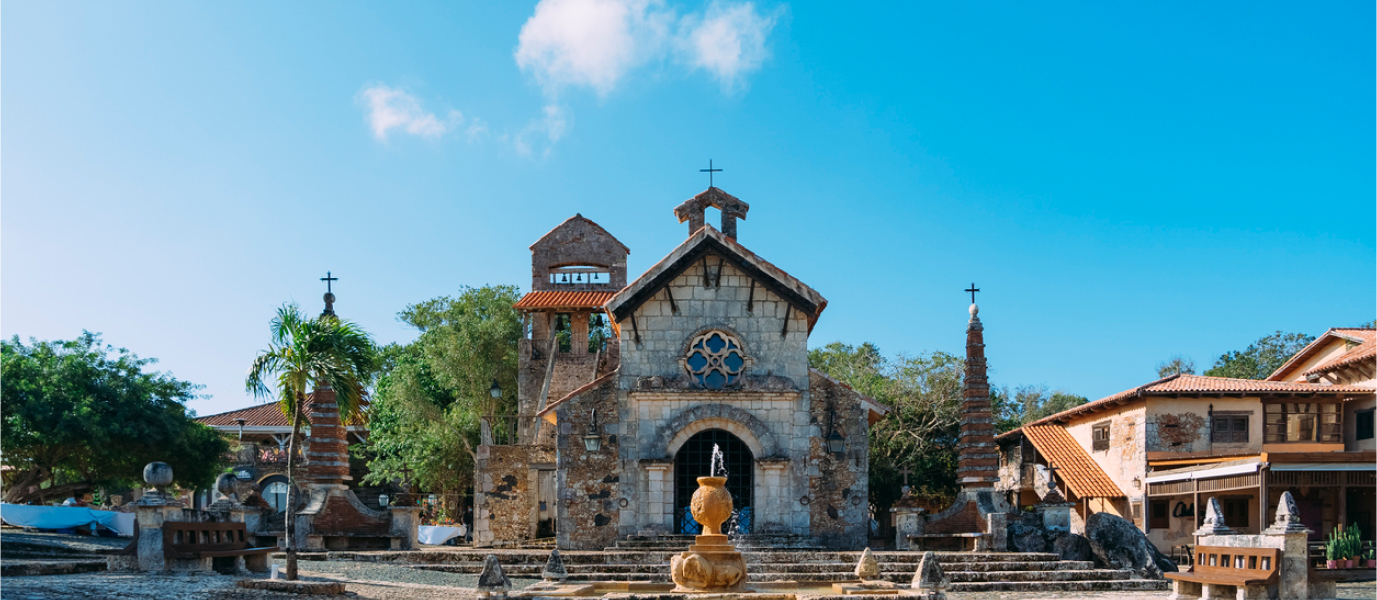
(550, 300)
(1080, 472)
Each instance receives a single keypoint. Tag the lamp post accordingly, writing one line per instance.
(495, 391)
(592, 441)
(240, 422)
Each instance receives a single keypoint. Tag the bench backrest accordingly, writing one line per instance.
(184, 538)
(1256, 562)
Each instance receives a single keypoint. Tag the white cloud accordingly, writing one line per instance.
(596, 43)
(542, 132)
(590, 43)
(391, 108)
(728, 41)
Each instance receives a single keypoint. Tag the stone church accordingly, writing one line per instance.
(626, 387)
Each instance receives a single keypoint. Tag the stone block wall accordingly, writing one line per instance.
(503, 501)
(838, 486)
(666, 332)
(590, 498)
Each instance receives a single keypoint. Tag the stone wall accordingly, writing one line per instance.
(666, 332)
(504, 499)
(578, 241)
(340, 517)
(838, 486)
(590, 499)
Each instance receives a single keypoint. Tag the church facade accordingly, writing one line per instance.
(626, 388)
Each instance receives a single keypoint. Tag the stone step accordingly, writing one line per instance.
(898, 570)
(1117, 585)
(1077, 575)
(1006, 561)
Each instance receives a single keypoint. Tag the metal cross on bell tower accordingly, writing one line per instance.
(710, 171)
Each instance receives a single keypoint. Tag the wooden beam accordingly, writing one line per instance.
(634, 331)
(670, 295)
(788, 311)
(750, 302)
(706, 282)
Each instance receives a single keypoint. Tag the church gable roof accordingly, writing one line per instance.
(709, 240)
(575, 227)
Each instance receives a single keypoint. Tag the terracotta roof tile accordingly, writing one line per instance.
(1077, 469)
(559, 299)
(1353, 334)
(1199, 384)
(1364, 351)
(261, 415)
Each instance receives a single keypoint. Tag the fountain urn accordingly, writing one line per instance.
(711, 564)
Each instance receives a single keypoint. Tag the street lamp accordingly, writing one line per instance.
(240, 422)
(836, 444)
(496, 390)
(592, 442)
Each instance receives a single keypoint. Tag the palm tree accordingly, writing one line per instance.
(322, 352)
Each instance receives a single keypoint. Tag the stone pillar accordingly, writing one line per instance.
(405, 520)
(578, 333)
(1290, 535)
(659, 502)
(997, 525)
(907, 520)
(328, 457)
(977, 459)
(152, 510)
(772, 491)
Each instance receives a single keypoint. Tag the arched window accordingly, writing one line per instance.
(715, 360)
(275, 492)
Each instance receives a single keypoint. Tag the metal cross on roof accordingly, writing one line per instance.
(710, 171)
(327, 279)
(973, 290)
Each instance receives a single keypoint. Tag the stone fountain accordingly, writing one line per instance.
(711, 564)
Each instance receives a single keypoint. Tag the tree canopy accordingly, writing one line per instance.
(1028, 403)
(79, 414)
(1261, 358)
(432, 392)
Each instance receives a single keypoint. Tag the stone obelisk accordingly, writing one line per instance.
(977, 458)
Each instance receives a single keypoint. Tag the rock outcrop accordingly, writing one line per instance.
(1120, 545)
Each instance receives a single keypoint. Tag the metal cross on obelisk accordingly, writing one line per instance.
(972, 290)
(905, 472)
(710, 171)
(329, 294)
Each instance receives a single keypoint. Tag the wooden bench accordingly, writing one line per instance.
(210, 541)
(1249, 570)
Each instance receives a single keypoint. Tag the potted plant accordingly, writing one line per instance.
(1331, 552)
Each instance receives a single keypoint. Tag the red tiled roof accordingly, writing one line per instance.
(559, 299)
(1352, 334)
(261, 415)
(1198, 384)
(1364, 351)
(1085, 478)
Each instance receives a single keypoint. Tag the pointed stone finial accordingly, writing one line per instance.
(493, 579)
(1214, 520)
(867, 569)
(930, 579)
(1288, 517)
(554, 568)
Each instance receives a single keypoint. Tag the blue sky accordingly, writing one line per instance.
(1123, 182)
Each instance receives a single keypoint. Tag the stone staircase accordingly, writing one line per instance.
(969, 572)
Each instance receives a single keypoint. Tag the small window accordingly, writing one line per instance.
(1137, 511)
(1235, 511)
(1100, 435)
(1160, 512)
(1230, 429)
(1364, 423)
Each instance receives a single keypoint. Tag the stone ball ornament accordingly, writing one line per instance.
(224, 484)
(157, 474)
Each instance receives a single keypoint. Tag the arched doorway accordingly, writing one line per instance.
(694, 460)
(274, 491)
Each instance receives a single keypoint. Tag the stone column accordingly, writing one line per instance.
(659, 502)
(1294, 571)
(771, 494)
(977, 458)
(328, 457)
(152, 510)
(405, 520)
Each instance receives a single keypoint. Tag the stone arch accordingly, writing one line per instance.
(739, 422)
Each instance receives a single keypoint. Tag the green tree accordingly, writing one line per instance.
(1029, 403)
(79, 414)
(1261, 358)
(425, 416)
(920, 433)
(310, 352)
(1178, 364)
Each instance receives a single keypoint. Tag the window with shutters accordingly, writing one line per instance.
(1230, 428)
(1100, 436)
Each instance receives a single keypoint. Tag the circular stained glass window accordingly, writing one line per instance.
(715, 360)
